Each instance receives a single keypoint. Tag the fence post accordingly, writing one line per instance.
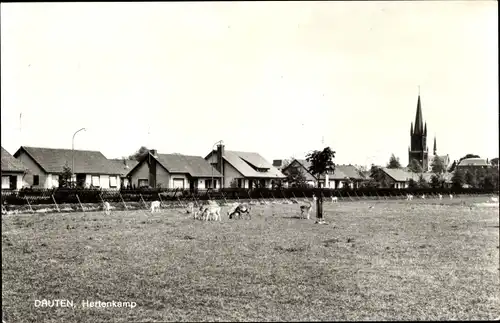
(125, 205)
(57, 206)
(319, 209)
(161, 202)
(145, 205)
(28, 204)
(80, 203)
(349, 196)
(180, 202)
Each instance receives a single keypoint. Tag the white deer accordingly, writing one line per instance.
(107, 208)
(306, 208)
(155, 206)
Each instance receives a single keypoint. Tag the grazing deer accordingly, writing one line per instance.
(409, 197)
(107, 208)
(239, 209)
(155, 206)
(335, 199)
(306, 208)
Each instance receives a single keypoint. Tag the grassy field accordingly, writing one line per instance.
(420, 260)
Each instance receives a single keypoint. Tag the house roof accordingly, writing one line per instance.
(398, 174)
(301, 163)
(10, 164)
(348, 171)
(195, 166)
(124, 167)
(53, 160)
(473, 162)
(242, 161)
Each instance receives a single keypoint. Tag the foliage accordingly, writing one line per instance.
(437, 165)
(394, 162)
(139, 154)
(65, 177)
(458, 178)
(494, 162)
(412, 183)
(415, 166)
(233, 183)
(321, 161)
(470, 178)
(378, 176)
(422, 183)
(452, 167)
(295, 177)
(436, 181)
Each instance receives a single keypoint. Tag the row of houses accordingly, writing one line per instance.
(37, 167)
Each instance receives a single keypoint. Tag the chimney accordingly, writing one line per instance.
(220, 168)
(277, 163)
(153, 152)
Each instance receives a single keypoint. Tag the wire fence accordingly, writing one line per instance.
(182, 197)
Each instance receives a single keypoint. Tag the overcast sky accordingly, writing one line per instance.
(274, 78)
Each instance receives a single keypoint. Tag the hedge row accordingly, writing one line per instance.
(72, 196)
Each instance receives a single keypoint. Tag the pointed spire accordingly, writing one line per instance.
(411, 129)
(435, 147)
(425, 129)
(419, 123)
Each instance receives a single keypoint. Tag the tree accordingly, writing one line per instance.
(470, 178)
(458, 178)
(452, 167)
(415, 166)
(394, 162)
(437, 165)
(296, 177)
(138, 155)
(378, 176)
(65, 177)
(321, 163)
(436, 181)
(494, 162)
(287, 162)
(412, 183)
(422, 183)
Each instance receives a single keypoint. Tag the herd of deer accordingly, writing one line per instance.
(211, 210)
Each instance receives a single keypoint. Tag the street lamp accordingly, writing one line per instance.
(213, 146)
(73, 153)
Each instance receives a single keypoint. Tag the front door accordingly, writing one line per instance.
(13, 182)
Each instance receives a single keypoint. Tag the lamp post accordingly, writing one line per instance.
(213, 146)
(73, 153)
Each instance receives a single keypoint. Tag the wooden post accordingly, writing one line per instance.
(80, 203)
(224, 197)
(180, 202)
(161, 201)
(57, 206)
(145, 205)
(28, 204)
(125, 205)
(319, 208)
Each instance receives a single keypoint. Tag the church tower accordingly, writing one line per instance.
(418, 144)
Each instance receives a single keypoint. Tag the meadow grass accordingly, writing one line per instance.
(418, 260)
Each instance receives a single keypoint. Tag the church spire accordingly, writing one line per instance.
(411, 129)
(419, 123)
(435, 147)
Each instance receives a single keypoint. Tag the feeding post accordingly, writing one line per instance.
(321, 164)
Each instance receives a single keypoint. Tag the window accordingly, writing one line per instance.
(240, 183)
(113, 182)
(36, 180)
(5, 182)
(95, 181)
(55, 180)
(142, 183)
